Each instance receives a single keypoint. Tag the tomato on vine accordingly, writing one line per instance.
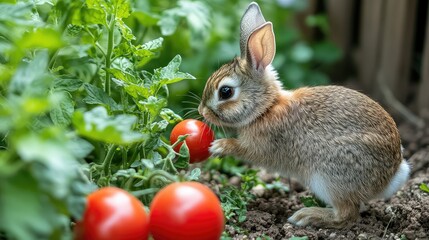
(200, 136)
(113, 213)
(186, 210)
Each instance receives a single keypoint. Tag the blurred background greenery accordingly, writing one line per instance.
(206, 35)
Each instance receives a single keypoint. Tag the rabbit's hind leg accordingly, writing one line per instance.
(342, 215)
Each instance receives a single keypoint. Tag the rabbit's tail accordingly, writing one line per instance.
(401, 176)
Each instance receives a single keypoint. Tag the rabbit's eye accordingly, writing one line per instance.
(225, 92)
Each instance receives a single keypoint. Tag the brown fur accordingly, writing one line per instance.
(339, 142)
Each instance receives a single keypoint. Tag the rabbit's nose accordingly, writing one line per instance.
(203, 111)
(200, 110)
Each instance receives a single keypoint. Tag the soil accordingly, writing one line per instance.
(404, 216)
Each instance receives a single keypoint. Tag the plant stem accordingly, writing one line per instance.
(160, 174)
(123, 102)
(143, 192)
(124, 158)
(108, 160)
(134, 154)
(95, 41)
(109, 55)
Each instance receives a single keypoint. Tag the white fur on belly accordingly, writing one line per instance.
(319, 186)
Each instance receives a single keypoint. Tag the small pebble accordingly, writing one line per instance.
(258, 190)
(362, 236)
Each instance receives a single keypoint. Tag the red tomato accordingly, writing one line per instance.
(113, 213)
(185, 211)
(199, 139)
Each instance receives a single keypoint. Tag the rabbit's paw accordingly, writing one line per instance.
(315, 216)
(223, 147)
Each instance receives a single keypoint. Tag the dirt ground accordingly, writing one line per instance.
(404, 216)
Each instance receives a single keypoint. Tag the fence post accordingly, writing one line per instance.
(397, 45)
(423, 92)
(341, 21)
(371, 23)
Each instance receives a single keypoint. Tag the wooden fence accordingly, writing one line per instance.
(386, 46)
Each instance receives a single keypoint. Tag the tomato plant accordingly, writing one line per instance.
(113, 213)
(186, 210)
(199, 138)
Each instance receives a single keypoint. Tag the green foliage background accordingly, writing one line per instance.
(207, 34)
(84, 93)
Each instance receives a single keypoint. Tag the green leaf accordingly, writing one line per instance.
(146, 52)
(144, 162)
(169, 21)
(76, 200)
(194, 175)
(123, 75)
(148, 163)
(47, 149)
(424, 187)
(24, 212)
(195, 13)
(98, 125)
(93, 16)
(156, 158)
(19, 13)
(277, 185)
(143, 54)
(97, 4)
(32, 76)
(311, 202)
(183, 159)
(61, 114)
(197, 16)
(299, 238)
(169, 116)
(136, 163)
(41, 38)
(145, 19)
(234, 202)
(80, 148)
(122, 8)
(125, 173)
(170, 73)
(158, 127)
(123, 49)
(35, 105)
(119, 8)
(153, 105)
(137, 91)
(129, 83)
(154, 45)
(99, 97)
(67, 84)
(126, 32)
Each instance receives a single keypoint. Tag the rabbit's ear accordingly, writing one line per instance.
(251, 20)
(261, 47)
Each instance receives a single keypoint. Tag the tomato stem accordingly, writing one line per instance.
(180, 139)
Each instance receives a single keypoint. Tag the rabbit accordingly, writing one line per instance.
(336, 141)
